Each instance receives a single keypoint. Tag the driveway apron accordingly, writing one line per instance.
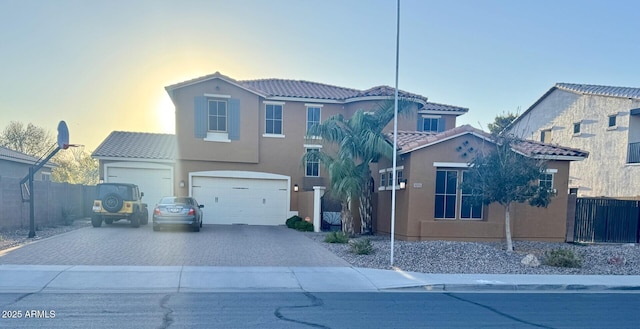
(214, 245)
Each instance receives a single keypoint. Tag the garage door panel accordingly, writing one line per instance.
(155, 183)
(242, 201)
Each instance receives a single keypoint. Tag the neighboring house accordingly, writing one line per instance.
(431, 206)
(144, 159)
(240, 143)
(16, 164)
(603, 120)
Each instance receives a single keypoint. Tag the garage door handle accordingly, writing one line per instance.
(216, 199)
(264, 201)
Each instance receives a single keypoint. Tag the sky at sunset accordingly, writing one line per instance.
(103, 65)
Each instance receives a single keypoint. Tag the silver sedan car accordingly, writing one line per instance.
(178, 211)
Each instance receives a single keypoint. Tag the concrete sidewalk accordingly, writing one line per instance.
(109, 279)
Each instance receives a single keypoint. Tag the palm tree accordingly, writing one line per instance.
(360, 141)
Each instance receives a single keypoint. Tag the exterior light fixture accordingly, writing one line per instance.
(295, 187)
(403, 184)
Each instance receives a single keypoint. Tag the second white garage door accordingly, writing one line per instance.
(232, 200)
(154, 182)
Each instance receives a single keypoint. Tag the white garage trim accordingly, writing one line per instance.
(225, 175)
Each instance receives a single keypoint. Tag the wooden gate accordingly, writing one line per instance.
(607, 220)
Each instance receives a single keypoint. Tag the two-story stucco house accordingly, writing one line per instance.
(603, 120)
(240, 143)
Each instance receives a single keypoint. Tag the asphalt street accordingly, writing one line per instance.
(322, 310)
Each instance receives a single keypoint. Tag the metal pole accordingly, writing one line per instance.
(395, 137)
(32, 226)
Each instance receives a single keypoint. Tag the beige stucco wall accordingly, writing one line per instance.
(415, 205)
(255, 151)
(605, 172)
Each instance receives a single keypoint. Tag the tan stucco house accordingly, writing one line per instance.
(240, 143)
(431, 206)
(238, 148)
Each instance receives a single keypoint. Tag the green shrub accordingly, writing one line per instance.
(361, 247)
(336, 237)
(562, 258)
(303, 226)
(68, 215)
(291, 221)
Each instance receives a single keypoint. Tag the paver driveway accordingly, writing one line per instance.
(214, 245)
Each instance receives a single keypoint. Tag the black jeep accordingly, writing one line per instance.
(116, 201)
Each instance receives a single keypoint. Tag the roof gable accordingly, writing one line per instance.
(134, 145)
(584, 89)
(410, 141)
(8, 154)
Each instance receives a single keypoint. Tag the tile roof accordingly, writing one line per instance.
(444, 107)
(15, 156)
(134, 145)
(273, 88)
(409, 141)
(626, 92)
(299, 88)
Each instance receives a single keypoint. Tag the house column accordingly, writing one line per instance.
(318, 192)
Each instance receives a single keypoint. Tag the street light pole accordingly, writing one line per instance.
(395, 136)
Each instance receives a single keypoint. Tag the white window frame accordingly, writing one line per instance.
(459, 196)
(308, 147)
(274, 135)
(313, 106)
(552, 173)
(226, 116)
(387, 173)
(615, 118)
(573, 128)
(431, 117)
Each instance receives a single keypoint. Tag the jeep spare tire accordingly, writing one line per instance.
(112, 202)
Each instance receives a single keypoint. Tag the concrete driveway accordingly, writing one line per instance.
(214, 245)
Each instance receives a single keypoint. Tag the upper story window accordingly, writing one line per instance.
(46, 176)
(612, 120)
(217, 115)
(313, 116)
(433, 123)
(576, 128)
(545, 136)
(273, 117)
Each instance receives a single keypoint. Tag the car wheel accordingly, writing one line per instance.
(108, 221)
(135, 220)
(156, 228)
(112, 202)
(96, 221)
(197, 228)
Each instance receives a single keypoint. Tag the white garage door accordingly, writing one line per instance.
(155, 183)
(242, 200)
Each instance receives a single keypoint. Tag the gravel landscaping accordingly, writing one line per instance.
(487, 257)
(17, 237)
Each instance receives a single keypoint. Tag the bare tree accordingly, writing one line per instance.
(29, 139)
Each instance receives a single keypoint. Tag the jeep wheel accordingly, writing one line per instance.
(96, 221)
(112, 202)
(108, 221)
(145, 218)
(135, 220)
